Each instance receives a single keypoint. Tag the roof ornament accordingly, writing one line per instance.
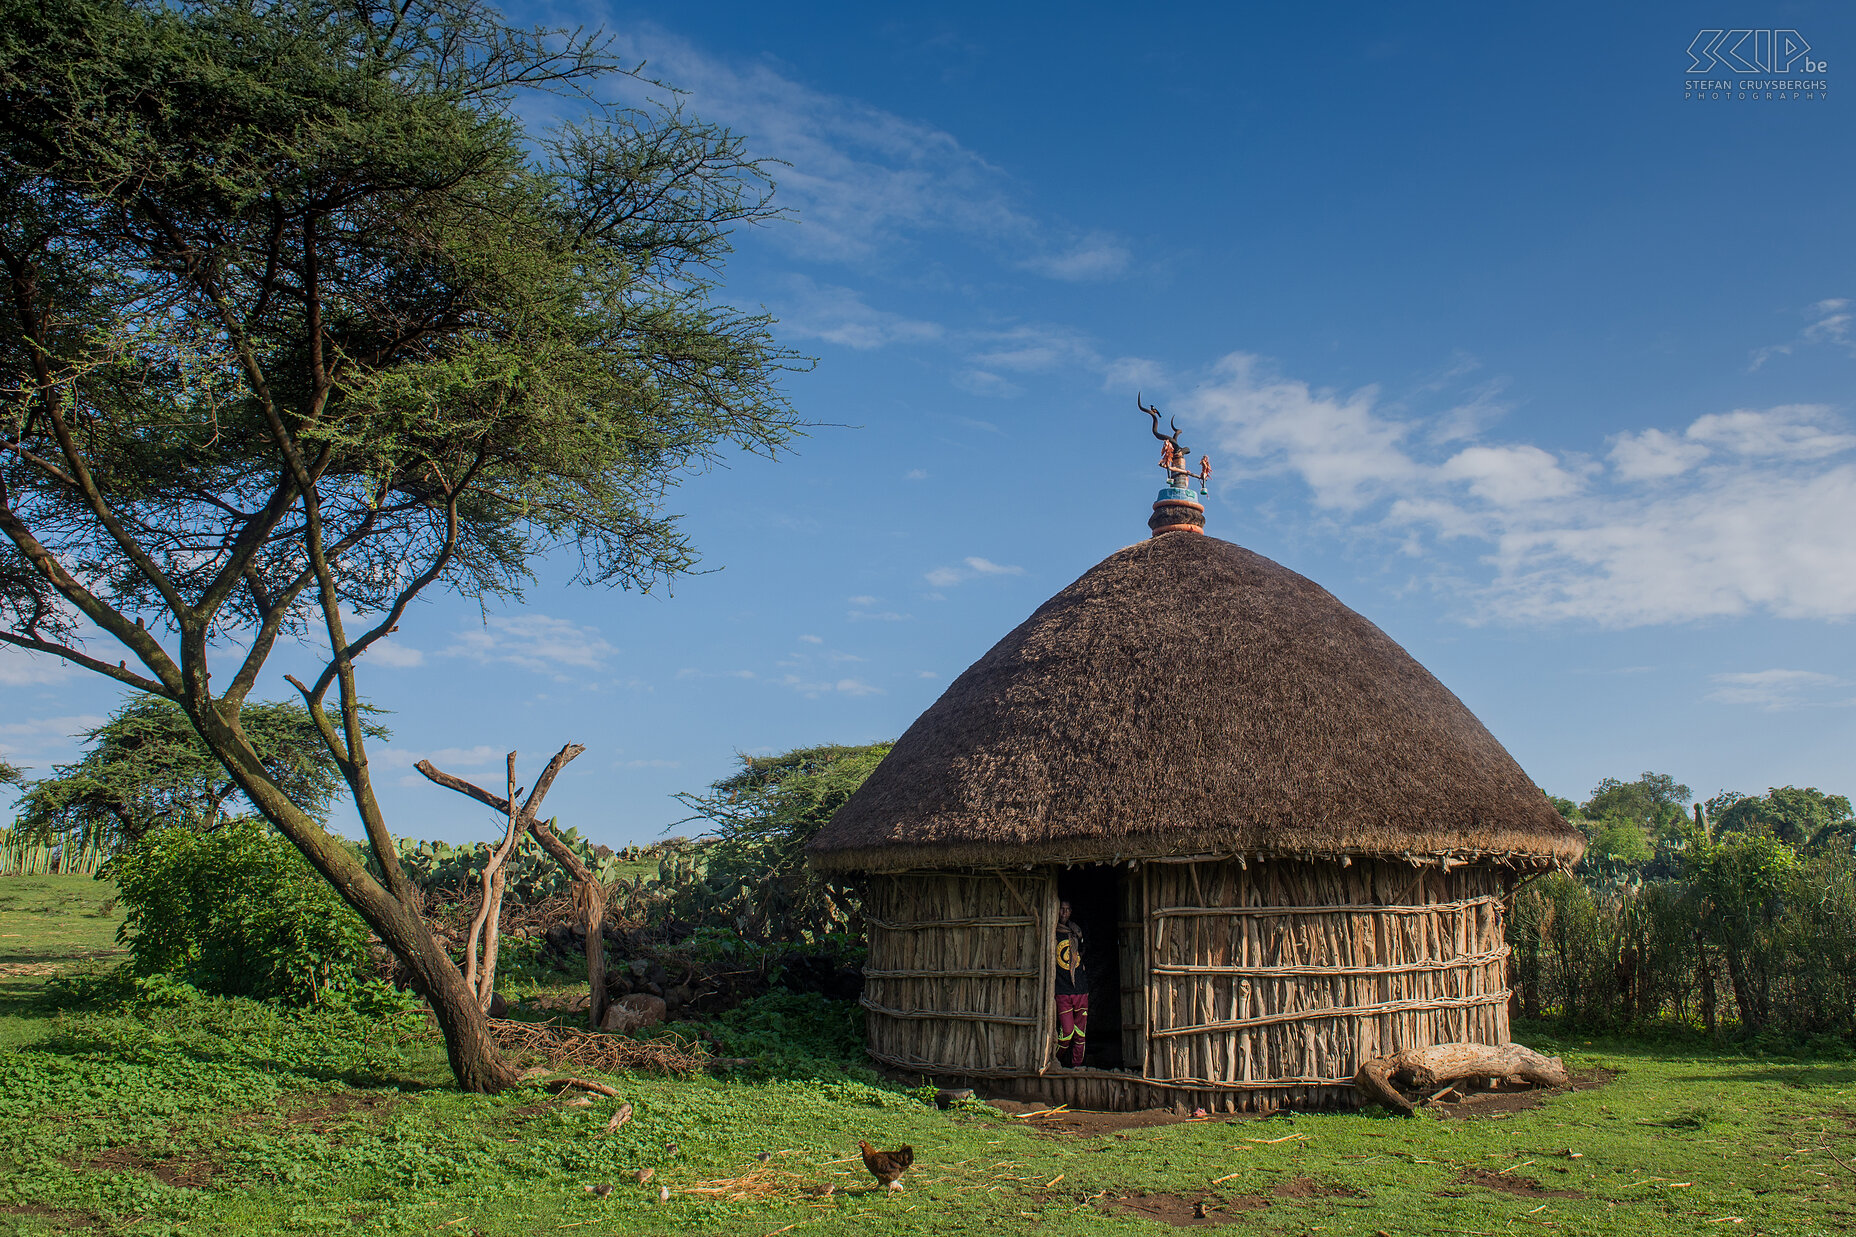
(1178, 509)
(1173, 454)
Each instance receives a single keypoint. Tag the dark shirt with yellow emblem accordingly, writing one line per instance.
(1072, 979)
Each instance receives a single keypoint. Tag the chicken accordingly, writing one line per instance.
(887, 1166)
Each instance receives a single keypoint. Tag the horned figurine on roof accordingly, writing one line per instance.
(1173, 455)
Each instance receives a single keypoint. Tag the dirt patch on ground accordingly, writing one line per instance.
(57, 1215)
(1183, 1212)
(1045, 1120)
(186, 1172)
(1308, 1187)
(324, 1111)
(1502, 1101)
(1509, 1183)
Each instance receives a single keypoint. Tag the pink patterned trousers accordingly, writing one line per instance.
(1072, 1027)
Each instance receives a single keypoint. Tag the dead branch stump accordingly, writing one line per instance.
(1426, 1069)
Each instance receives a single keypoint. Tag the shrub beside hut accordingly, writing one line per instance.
(1288, 846)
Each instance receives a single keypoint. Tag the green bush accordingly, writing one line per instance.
(238, 912)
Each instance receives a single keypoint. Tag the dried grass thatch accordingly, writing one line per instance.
(1187, 696)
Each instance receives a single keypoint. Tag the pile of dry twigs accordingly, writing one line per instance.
(596, 1051)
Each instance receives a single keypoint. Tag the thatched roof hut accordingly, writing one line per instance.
(1290, 846)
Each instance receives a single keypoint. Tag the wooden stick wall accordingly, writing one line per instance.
(1244, 985)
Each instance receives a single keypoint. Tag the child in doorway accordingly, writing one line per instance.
(1072, 991)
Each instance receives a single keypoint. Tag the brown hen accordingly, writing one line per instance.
(887, 1166)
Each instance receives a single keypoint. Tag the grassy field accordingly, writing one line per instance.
(178, 1114)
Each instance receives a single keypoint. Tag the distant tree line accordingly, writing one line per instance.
(1737, 915)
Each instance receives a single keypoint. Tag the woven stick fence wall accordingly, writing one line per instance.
(956, 978)
(1288, 973)
(1244, 985)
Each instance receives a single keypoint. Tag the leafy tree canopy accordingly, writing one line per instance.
(147, 767)
(303, 319)
(764, 814)
(1649, 801)
(1792, 815)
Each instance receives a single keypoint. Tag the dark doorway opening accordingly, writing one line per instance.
(1095, 897)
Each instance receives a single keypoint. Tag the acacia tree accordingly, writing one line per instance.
(302, 322)
(146, 767)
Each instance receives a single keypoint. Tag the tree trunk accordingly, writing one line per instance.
(1422, 1069)
(475, 1059)
(591, 896)
(1707, 985)
(1743, 991)
(492, 937)
(590, 902)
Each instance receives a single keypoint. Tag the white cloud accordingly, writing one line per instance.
(840, 316)
(69, 726)
(1653, 454)
(812, 689)
(447, 758)
(878, 616)
(1347, 454)
(971, 568)
(1510, 476)
(399, 656)
(1792, 431)
(987, 385)
(1831, 322)
(813, 639)
(1096, 256)
(915, 474)
(1741, 511)
(534, 642)
(19, 668)
(36, 743)
(862, 180)
(862, 599)
(1771, 689)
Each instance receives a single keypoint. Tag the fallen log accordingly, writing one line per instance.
(1426, 1069)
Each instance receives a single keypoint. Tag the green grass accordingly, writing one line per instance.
(56, 919)
(181, 1114)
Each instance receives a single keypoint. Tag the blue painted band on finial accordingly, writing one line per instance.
(1174, 494)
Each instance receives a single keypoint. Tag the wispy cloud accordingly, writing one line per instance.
(971, 568)
(1831, 323)
(536, 642)
(19, 668)
(482, 756)
(863, 181)
(36, 741)
(812, 689)
(1775, 689)
(841, 316)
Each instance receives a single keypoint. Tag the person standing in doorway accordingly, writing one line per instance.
(1072, 990)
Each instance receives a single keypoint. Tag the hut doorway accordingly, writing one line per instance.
(1097, 894)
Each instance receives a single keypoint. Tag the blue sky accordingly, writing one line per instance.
(1539, 365)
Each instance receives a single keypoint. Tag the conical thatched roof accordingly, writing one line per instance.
(1187, 696)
